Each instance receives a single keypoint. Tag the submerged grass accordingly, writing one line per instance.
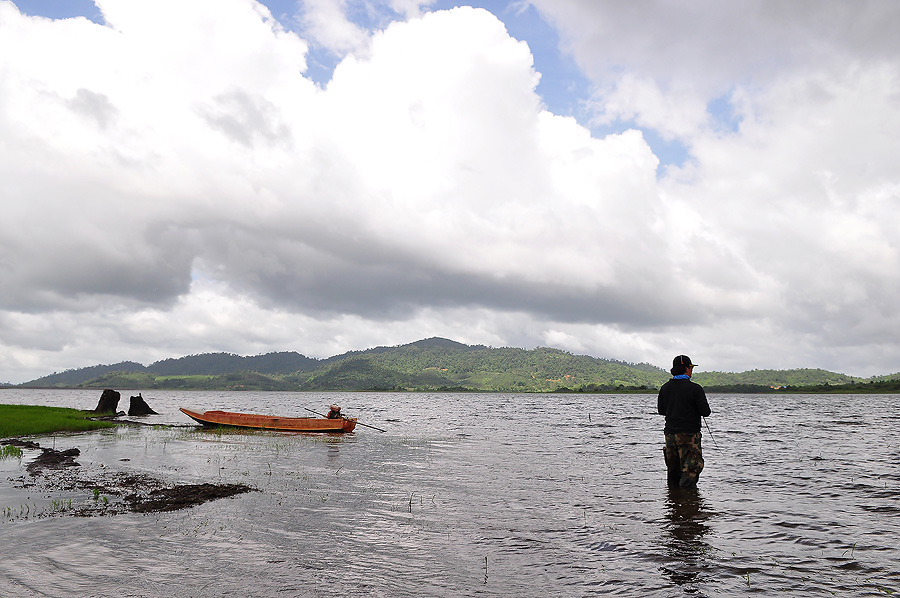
(28, 420)
(10, 452)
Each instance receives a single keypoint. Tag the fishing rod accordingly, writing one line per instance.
(358, 423)
(716, 444)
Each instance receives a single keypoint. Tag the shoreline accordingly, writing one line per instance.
(58, 474)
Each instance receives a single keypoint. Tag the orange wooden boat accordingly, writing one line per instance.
(271, 422)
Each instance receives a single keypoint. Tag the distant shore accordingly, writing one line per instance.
(441, 365)
(888, 387)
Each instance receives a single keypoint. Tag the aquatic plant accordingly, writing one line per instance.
(10, 452)
(59, 506)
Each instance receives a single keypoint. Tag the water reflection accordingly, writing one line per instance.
(684, 547)
(334, 449)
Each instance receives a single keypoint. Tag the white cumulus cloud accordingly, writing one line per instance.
(174, 182)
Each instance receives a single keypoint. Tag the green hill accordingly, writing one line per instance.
(205, 365)
(438, 364)
(77, 377)
(226, 363)
(768, 378)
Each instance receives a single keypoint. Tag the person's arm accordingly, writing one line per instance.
(703, 404)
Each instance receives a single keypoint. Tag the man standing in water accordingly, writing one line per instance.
(683, 403)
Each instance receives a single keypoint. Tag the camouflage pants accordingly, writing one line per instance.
(684, 459)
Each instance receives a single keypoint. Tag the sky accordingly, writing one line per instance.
(630, 180)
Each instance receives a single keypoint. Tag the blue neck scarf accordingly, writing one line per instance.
(681, 377)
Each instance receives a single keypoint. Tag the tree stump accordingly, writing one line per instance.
(109, 400)
(139, 406)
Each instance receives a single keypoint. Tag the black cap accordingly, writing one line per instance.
(683, 361)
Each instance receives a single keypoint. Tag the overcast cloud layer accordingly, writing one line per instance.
(174, 182)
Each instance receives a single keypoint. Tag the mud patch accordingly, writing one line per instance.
(108, 492)
(53, 459)
(21, 443)
(180, 497)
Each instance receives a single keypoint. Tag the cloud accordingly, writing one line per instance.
(424, 176)
(791, 189)
(656, 59)
(197, 191)
(327, 24)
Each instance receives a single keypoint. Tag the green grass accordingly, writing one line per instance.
(10, 452)
(28, 420)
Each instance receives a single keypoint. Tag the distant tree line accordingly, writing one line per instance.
(441, 365)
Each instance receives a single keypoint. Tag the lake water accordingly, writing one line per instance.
(474, 495)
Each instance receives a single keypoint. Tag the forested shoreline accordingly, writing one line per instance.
(440, 365)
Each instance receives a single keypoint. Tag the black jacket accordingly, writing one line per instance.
(682, 402)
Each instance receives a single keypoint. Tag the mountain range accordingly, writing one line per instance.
(437, 364)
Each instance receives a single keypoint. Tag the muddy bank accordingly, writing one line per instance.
(108, 493)
(182, 496)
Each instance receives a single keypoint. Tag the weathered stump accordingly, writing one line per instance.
(139, 406)
(109, 400)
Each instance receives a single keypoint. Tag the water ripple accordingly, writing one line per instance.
(452, 503)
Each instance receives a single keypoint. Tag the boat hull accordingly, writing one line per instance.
(271, 422)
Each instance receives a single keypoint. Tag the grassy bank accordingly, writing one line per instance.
(27, 420)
